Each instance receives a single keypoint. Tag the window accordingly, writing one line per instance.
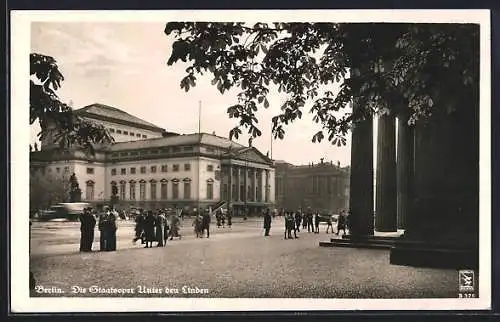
(89, 191)
(144, 152)
(143, 170)
(210, 167)
(112, 130)
(210, 150)
(176, 149)
(125, 132)
(123, 171)
(153, 190)
(114, 188)
(132, 190)
(122, 190)
(58, 170)
(124, 154)
(90, 170)
(113, 172)
(188, 148)
(132, 170)
(154, 152)
(138, 135)
(187, 167)
(144, 136)
(142, 190)
(187, 189)
(210, 190)
(114, 155)
(153, 169)
(119, 131)
(175, 167)
(175, 190)
(134, 153)
(132, 134)
(163, 190)
(164, 168)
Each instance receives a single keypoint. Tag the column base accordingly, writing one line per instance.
(424, 254)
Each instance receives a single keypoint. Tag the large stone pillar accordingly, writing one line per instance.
(361, 195)
(386, 196)
(238, 174)
(404, 169)
(444, 227)
(230, 185)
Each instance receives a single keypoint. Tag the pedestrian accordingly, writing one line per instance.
(103, 230)
(160, 229)
(87, 227)
(298, 219)
(206, 222)
(174, 226)
(111, 226)
(304, 221)
(317, 219)
(267, 223)
(329, 223)
(229, 218)
(218, 219)
(342, 223)
(139, 226)
(149, 229)
(310, 227)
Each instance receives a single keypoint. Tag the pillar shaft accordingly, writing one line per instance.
(230, 185)
(238, 173)
(404, 169)
(361, 185)
(386, 197)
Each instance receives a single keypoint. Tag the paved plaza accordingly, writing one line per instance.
(233, 262)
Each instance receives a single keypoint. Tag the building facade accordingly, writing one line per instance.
(150, 168)
(323, 186)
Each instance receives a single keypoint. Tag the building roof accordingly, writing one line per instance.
(110, 113)
(184, 139)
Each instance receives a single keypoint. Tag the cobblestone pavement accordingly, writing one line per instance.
(235, 262)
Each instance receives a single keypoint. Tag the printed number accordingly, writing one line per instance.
(466, 295)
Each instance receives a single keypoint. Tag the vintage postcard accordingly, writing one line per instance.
(228, 160)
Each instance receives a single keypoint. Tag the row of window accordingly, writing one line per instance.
(122, 187)
(154, 168)
(146, 152)
(128, 133)
(58, 170)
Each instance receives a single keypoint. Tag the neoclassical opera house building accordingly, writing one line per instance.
(152, 168)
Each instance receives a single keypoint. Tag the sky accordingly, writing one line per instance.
(124, 65)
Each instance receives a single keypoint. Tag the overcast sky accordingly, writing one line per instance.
(124, 65)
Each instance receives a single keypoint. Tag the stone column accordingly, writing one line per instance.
(361, 195)
(255, 185)
(230, 184)
(404, 169)
(238, 173)
(386, 193)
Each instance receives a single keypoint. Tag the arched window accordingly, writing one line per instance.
(210, 189)
(123, 186)
(142, 189)
(89, 191)
(132, 189)
(175, 188)
(163, 189)
(187, 188)
(153, 189)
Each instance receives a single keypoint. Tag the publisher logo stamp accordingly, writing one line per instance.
(466, 281)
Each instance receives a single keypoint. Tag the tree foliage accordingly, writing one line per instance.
(55, 117)
(406, 69)
(47, 190)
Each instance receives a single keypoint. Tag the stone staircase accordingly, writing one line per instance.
(377, 241)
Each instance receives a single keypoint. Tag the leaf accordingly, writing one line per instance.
(266, 103)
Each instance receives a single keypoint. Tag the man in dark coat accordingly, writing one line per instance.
(267, 222)
(206, 222)
(87, 227)
(310, 226)
(229, 218)
(298, 219)
(103, 231)
(139, 223)
(342, 223)
(149, 229)
(111, 227)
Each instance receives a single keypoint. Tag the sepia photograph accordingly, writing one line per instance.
(250, 160)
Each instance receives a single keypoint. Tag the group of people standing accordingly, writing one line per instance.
(106, 223)
(155, 227)
(221, 217)
(311, 221)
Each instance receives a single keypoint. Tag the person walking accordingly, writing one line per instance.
(267, 223)
(229, 218)
(206, 222)
(103, 230)
(298, 219)
(310, 226)
(329, 223)
(111, 226)
(160, 228)
(342, 223)
(317, 219)
(87, 227)
(139, 227)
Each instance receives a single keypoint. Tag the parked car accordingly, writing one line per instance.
(63, 211)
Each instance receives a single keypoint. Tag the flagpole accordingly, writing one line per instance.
(271, 141)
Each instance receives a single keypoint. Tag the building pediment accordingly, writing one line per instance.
(251, 154)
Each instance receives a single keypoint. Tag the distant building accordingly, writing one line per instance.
(323, 186)
(152, 168)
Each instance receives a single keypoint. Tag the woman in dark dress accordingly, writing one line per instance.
(112, 227)
(87, 227)
(229, 218)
